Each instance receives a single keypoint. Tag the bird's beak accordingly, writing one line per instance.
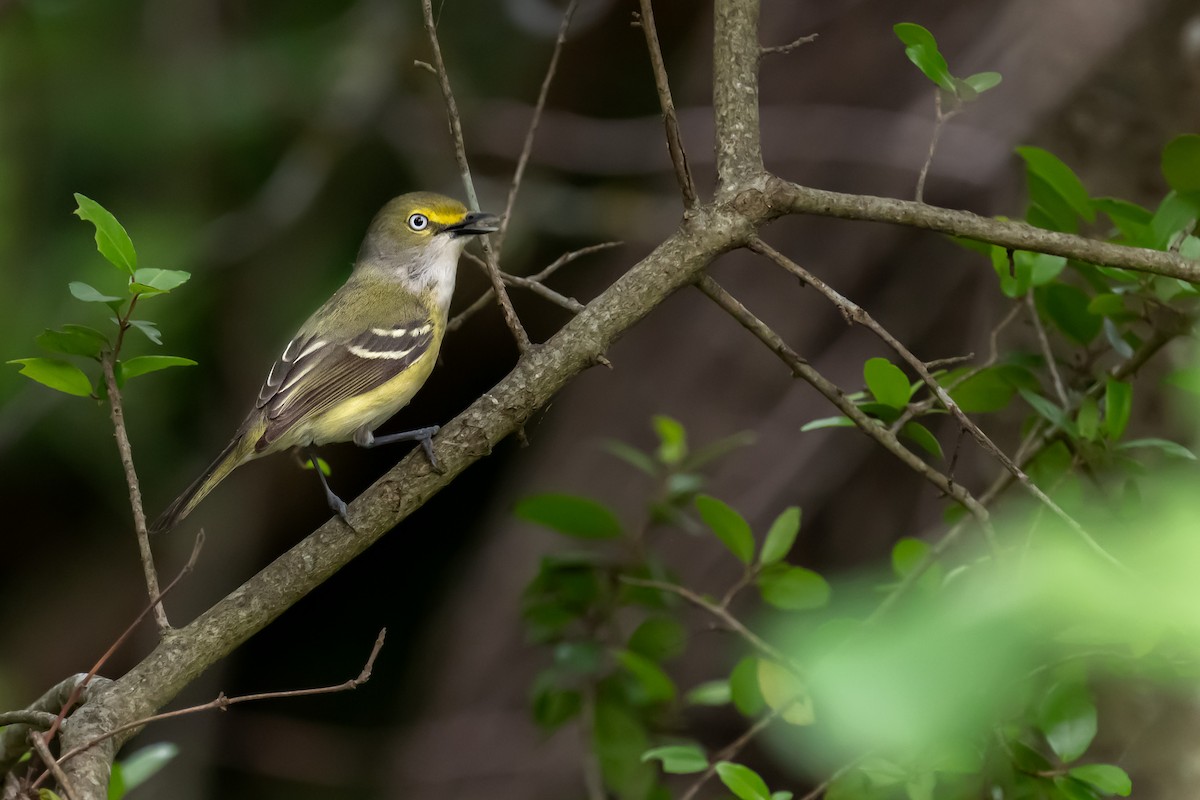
(474, 224)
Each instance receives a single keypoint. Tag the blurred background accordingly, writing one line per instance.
(250, 144)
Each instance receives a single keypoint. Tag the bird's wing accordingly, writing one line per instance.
(316, 373)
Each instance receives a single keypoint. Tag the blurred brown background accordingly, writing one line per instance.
(250, 143)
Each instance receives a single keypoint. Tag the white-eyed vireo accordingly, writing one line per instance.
(364, 354)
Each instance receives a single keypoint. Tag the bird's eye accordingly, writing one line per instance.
(418, 222)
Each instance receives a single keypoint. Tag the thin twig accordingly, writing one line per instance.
(223, 703)
(683, 173)
(780, 49)
(863, 318)
(56, 770)
(460, 153)
(822, 787)
(801, 369)
(731, 750)
(485, 298)
(593, 777)
(135, 493)
(730, 621)
(535, 286)
(1044, 342)
(527, 146)
(12, 737)
(942, 118)
(34, 719)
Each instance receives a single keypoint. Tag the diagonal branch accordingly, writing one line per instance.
(683, 173)
(460, 154)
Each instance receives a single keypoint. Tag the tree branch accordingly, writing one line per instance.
(683, 173)
(735, 93)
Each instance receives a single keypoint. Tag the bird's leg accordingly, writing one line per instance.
(336, 504)
(365, 438)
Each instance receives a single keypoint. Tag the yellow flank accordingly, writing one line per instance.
(372, 409)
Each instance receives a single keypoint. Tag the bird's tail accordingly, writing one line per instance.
(234, 455)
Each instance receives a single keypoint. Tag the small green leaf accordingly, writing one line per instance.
(1118, 406)
(1087, 419)
(921, 436)
(908, 554)
(1181, 163)
(140, 365)
(710, 693)
(47, 794)
(887, 382)
(1070, 789)
(56, 374)
(1187, 379)
(1067, 307)
(151, 281)
(148, 328)
(1166, 447)
(982, 81)
(111, 239)
(553, 706)
(793, 588)
(672, 438)
(571, 515)
(579, 658)
(322, 465)
(679, 759)
(116, 782)
(1051, 412)
(1067, 717)
(656, 685)
(142, 764)
(1107, 304)
(658, 638)
(1107, 778)
(74, 340)
(89, 294)
(743, 687)
(631, 455)
(922, 50)
(783, 691)
(742, 781)
(781, 536)
(728, 525)
(827, 422)
(1061, 178)
(782, 795)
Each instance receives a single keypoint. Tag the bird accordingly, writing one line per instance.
(364, 354)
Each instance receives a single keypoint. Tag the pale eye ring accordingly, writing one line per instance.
(418, 222)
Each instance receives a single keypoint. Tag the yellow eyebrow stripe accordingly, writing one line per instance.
(442, 217)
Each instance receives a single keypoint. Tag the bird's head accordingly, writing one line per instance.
(419, 236)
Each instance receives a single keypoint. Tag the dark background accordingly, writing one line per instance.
(250, 143)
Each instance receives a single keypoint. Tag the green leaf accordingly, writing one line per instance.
(1067, 307)
(783, 691)
(908, 554)
(1181, 163)
(728, 525)
(142, 764)
(781, 536)
(56, 374)
(111, 239)
(923, 438)
(1071, 789)
(322, 465)
(74, 340)
(743, 687)
(140, 365)
(571, 515)
(553, 706)
(631, 455)
(922, 50)
(1107, 305)
(781, 795)
(982, 81)
(1060, 178)
(1187, 379)
(710, 693)
(1048, 410)
(887, 382)
(1167, 447)
(793, 588)
(1107, 778)
(618, 740)
(1118, 406)
(157, 281)
(672, 438)
(1131, 220)
(742, 781)
(47, 794)
(1174, 213)
(1087, 419)
(985, 391)
(148, 328)
(1067, 717)
(679, 759)
(89, 294)
(921, 786)
(827, 422)
(656, 685)
(883, 772)
(658, 638)
(116, 782)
